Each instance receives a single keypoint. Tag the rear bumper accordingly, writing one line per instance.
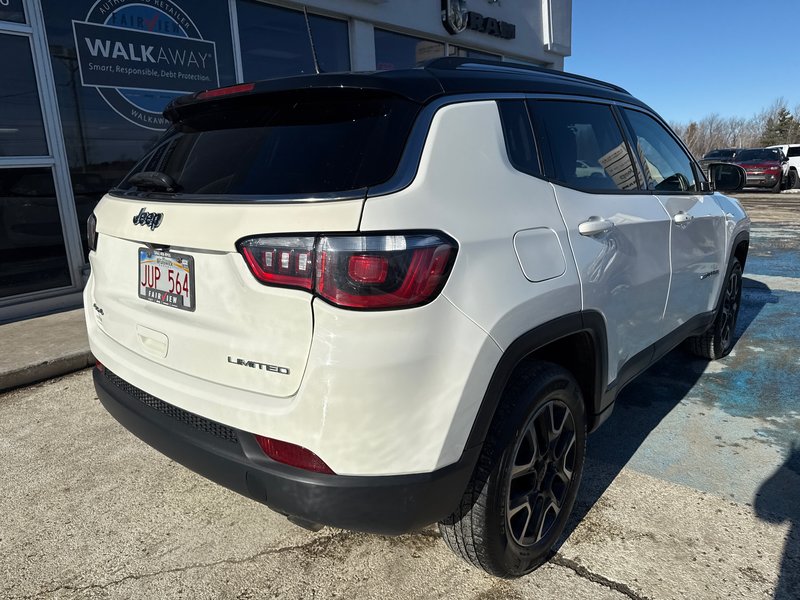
(378, 504)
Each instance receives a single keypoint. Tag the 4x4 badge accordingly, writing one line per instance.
(150, 219)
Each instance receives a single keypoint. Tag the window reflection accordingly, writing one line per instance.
(21, 127)
(12, 10)
(469, 53)
(102, 144)
(275, 42)
(398, 51)
(32, 252)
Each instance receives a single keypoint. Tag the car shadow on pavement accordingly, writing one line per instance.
(642, 406)
(778, 501)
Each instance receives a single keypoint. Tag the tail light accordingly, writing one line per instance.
(284, 261)
(293, 455)
(226, 91)
(91, 232)
(358, 272)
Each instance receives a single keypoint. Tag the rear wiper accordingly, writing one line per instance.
(154, 180)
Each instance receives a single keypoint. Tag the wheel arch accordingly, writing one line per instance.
(740, 247)
(576, 341)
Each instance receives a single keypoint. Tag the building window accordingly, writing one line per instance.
(32, 252)
(398, 51)
(12, 10)
(470, 53)
(275, 42)
(21, 126)
(112, 90)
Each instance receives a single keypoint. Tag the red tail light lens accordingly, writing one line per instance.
(365, 268)
(359, 271)
(226, 91)
(286, 261)
(383, 271)
(293, 455)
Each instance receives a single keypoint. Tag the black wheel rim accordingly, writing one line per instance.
(730, 309)
(541, 473)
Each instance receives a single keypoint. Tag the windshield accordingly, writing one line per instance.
(759, 154)
(255, 146)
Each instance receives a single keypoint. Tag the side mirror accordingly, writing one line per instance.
(726, 177)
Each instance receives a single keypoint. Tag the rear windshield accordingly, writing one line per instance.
(759, 154)
(720, 154)
(258, 146)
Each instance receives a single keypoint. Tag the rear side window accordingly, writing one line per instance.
(304, 145)
(518, 134)
(586, 147)
(793, 151)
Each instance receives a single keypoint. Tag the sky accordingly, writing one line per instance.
(690, 58)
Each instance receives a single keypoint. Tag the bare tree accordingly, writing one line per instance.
(774, 124)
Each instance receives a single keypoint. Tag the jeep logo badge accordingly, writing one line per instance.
(149, 219)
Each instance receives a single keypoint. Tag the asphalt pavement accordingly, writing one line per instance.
(691, 490)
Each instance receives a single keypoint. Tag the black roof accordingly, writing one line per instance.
(439, 77)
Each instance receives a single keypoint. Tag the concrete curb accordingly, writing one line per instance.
(42, 348)
(48, 369)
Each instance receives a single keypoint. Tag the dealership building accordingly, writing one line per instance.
(83, 84)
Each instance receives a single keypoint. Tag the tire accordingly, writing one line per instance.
(516, 482)
(718, 340)
(792, 180)
(776, 189)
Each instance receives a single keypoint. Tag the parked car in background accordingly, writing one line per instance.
(725, 155)
(792, 153)
(765, 167)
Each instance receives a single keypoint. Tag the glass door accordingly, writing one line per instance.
(39, 234)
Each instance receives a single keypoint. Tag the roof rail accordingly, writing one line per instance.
(481, 64)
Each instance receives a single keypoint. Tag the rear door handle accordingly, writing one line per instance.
(595, 225)
(682, 218)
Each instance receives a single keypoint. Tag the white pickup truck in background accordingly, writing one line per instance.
(792, 152)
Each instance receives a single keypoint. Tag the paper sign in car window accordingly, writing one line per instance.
(618, 165)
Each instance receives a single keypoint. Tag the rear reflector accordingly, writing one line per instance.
(292, 455)
(361, 272)
(226, 91)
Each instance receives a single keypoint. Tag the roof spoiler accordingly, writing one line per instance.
(415, 85)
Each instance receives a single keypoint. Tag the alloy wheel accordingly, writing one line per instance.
(541, 473)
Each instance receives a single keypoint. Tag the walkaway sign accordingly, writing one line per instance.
(140, 54)
(125, 58)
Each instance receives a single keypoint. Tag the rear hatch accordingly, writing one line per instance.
(168, 282)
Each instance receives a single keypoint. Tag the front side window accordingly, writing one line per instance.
(667, 167)
(587, 150)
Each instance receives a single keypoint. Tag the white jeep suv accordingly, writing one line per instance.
(379, 301)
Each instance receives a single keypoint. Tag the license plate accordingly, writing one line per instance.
(166, 278)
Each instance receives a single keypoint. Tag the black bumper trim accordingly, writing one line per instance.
(378, 504)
